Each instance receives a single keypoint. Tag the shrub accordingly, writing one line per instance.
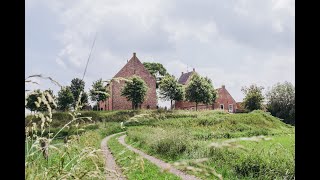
(170, 147)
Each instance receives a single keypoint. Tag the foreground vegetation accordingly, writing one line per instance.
(203, 143)
(216, 136)
(134, 166)
(79, 158)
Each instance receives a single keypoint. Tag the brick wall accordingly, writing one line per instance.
(226, 99)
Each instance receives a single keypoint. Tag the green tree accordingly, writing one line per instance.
(98, 92)
(84, 99)
(77, 86)
(157, 70)
(135, 90)
(33, 99)
(170, 89)
(253, 97)
(65, 98)
(281, 102)
(200, 90)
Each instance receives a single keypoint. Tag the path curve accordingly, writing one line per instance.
(163, 165)
(112, 169)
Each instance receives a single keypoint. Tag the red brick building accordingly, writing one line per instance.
(224, 100)
(118, 102)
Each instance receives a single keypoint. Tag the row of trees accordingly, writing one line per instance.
(69, 95)
(199, 90)
(280, 100)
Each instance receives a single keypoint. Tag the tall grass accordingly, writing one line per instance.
(236, 146)
(47, 157)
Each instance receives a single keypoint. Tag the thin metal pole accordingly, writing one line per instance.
(85, 70)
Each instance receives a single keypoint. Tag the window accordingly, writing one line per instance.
(222, 106)
(230, 107)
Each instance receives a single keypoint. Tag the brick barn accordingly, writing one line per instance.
(224, 100)
(118, 102)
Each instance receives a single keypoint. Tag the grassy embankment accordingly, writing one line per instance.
(177, 136)
(194, 135)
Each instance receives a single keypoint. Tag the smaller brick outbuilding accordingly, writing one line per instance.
(224, 100)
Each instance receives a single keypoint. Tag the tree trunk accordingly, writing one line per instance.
(132, 106)
(196, 106)
(171, 104)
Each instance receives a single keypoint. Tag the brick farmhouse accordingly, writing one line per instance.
(118, 102)
(224, 100)
(133, 67)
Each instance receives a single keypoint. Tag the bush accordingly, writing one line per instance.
(170, 147)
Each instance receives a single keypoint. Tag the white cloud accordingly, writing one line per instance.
(61, 63)
(181, 30)
(233, 42)
(287, 5)
(176, 67)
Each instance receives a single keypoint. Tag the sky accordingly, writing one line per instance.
(235, 43)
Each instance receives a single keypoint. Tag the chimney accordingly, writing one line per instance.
(223, 86)
(134, 54)
(194, 70)
(181, 73)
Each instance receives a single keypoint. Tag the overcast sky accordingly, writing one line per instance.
(233, 42)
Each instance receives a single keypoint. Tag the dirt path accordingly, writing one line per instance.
(163, 165)
(112, 169)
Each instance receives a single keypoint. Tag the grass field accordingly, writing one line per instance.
(189, 138)
(178, 137)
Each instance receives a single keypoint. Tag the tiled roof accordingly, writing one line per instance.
(184, 77)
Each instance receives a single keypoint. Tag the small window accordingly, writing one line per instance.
(222, 106)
